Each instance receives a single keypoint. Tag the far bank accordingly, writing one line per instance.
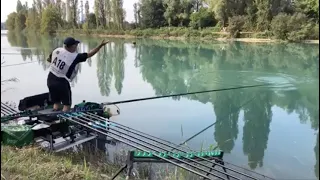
(181, 34)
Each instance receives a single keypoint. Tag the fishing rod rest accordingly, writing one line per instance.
(148, 157)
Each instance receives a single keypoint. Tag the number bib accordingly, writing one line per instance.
(61, 61)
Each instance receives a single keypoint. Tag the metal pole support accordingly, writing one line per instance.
(220, 161)
(128, 165)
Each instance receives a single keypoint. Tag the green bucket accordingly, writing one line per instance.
(17, 135)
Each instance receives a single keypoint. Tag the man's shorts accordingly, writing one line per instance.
(60, 91)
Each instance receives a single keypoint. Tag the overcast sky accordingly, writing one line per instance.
(8, 6)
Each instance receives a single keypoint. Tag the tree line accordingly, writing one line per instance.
(283, 19)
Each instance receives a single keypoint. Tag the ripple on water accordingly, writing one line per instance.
(284, 82)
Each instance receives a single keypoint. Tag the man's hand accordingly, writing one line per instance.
(104, 42)
(95, 50)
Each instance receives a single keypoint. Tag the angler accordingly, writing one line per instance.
(63, 68)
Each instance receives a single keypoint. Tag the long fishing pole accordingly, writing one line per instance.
(18, 64)
(34, 113)
(188, 93)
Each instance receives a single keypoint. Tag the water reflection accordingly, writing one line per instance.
(257, 117)
(316, 151)
(170, 70)
(172, 67)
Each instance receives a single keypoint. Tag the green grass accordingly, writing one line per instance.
(34, 163)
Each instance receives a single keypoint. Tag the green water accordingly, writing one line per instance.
(275, 132)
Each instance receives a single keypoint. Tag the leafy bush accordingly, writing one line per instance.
(279, 26)
(236, 24)
(201, 19)
(300, 27)
(315, 32)
(293, 28)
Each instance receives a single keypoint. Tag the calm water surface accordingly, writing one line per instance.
(274, 132)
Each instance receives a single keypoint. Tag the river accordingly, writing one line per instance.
(276, 133)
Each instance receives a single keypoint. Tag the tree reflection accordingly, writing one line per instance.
(91, 44)
(104, 69)
(33, 45)
(257, 117)
(111, 64)
(172, 67)
(118, 65)
(176, 68)
(226, 106)
(316, 151)
(17, 39)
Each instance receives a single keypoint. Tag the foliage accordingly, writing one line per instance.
(257, 16)
(152, 14)
(50, 20)
(203, 18)
(294, 28)
(33, 20)
(91, 20)
(279, 26)
(20, 22)
(10, 23)
(309, 7)
(236, 24)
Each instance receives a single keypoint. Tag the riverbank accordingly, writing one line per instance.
(34, 163)
(182, 34)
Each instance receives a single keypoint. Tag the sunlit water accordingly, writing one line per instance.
(276, 133)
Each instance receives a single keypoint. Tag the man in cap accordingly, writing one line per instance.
(63, 68)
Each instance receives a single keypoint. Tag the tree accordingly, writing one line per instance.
(51, 20)
(39, 7)
(197, 4)
(92, 21)
(185, 12)
(20, 21)
(221, 11)
(309, 7)
(152, 13)
(59, 6)
(102, 13)
(63, 11)
(10, 22)
(108, 12)
(172, 9)
(202, 19)
(86, 9)
(294, 28)
(96, 11)
(118, 13)
(135, 12)
(73, 12)
(19, 6)
(33, 19)
(263, 15)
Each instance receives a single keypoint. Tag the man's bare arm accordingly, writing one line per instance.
(95, 50)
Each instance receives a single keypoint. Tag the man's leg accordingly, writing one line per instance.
(67, 97)
(54, 96)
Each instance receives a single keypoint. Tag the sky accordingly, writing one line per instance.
(8, 6)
